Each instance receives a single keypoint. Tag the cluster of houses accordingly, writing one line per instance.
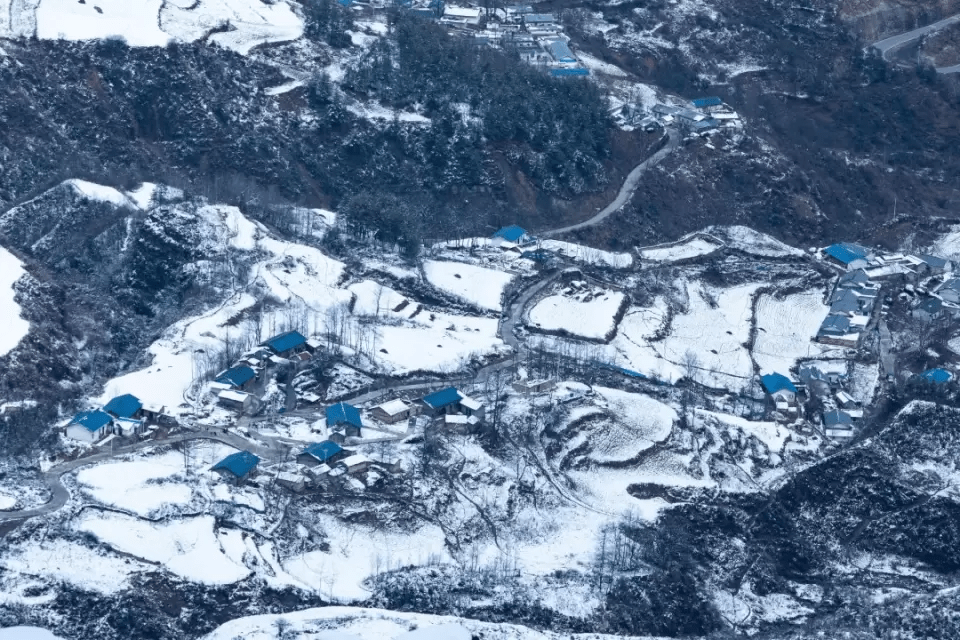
(783, 396)
(326, 464)
(233, 387)
(125, 416)
(702, 117)
(854, 299)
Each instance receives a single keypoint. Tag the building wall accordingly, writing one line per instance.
(76, 432)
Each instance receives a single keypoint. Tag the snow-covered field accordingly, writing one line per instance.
(477, 285)
(148, 23)
(59, 560)
(14, 327)
(713, 336)
(589, 255)
(786, 328)
(435, 342)
(750, 241)
(141, 486)
(188, 548)
(692, 247)
(351, 623)
(585, 312)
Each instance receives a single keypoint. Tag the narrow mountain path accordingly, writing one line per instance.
(626, 190)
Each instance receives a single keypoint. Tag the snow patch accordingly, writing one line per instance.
(14, 326)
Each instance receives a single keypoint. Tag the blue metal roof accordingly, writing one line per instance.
(774, 382)
(237, 376)
(839, 324)
(570, 72)
(712, 101)
(323, 451)
(124, 406)
(540, 18)
(708, 123)
(92, 420)
(837, 417)
(443, 398)
(937, 376)
(286, 341)
(846, 252)
(343, 412)
(239, 464)
(561, 52)
(511, 233)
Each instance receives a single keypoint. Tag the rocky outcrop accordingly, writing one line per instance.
(872, 20)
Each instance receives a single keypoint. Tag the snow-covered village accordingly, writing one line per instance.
(417, 320)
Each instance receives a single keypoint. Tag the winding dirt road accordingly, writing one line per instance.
(888, 45)
(626, 191)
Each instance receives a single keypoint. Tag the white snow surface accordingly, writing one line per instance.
(477, 285)
(56, 559)
(354, 623)
(26, 633)
(12, 326)
(134, 485)
(99, 192)
(589, 255)
(579, 314)
(786, 328)
(683, 249)
(188, 548)
(149, 23)
(753, 242)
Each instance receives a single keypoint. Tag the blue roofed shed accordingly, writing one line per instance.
(326, 452)
(237, 377)
(777, 384)
(578, 71)
(936, 376)
(125, 406)
(239, 465)
(561, 52)
(701, 103)
(92, 420)
(443, 401)
(286, 343)
(513, 233)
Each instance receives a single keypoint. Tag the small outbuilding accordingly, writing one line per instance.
(346, 417)
(393, 411)
(241, 377)
(779, 387)
(511, 236)
(355, 464)
(239, 401)
(443, 401)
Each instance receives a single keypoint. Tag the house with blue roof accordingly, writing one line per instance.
(779, 387)
(512, 235)
(286, 344)
(90, 426)
(240, 378)
(936, 376)
(561, 52)
(703, 103)
(445, 401)
(125, 406)
(838, 425)
(237, 467)
(343, 421)
(327, 452)
(848, 255)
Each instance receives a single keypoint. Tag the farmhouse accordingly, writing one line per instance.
(706, 103)
(235, 400)
(237, 467)
(128, 427)
(561, 52)
(540, 20)
(443, 401)
(286, 344)
(511, 236)
(847, 255)
(393, 411)
(779, 387)
(934, 265)
(463, 16)
(929, 310)
(90, 426)
(326, 452)
(343, 421)
(293, 481)
(853, 279)
(240, 378)
(125, 406)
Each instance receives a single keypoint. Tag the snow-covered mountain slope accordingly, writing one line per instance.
(14, 326)
(351, 623)
(239, 25)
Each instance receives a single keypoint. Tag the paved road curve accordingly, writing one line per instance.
(626, 191)
(892, 43)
